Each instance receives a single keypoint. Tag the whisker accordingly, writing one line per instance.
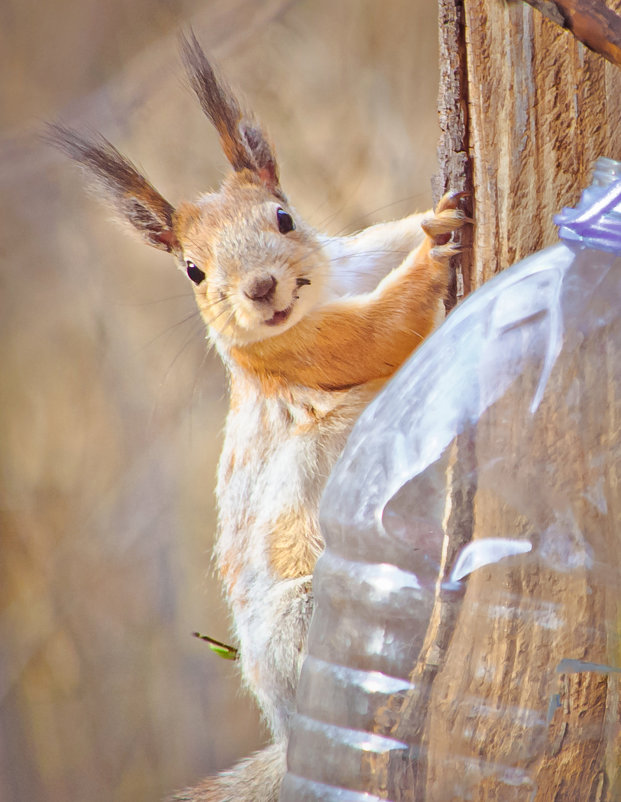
(198, 374)
(345, 257)
(167, 372)
(153, 302)
(184, 345)
(338, 209)
(219, 315)
(173, 362)
(362, 218)
(228, 320)
(213, 304)
(168, 329)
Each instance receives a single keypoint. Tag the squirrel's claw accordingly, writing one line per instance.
(446, 219)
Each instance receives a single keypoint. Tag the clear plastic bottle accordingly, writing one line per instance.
(466, 639)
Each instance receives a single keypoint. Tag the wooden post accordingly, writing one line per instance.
(525, 109)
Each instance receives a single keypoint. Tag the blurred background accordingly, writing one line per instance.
(110, 410)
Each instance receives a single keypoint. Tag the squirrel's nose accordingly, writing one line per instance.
(260, 288)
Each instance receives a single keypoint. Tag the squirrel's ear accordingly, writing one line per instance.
(132, 197)
(244, 143)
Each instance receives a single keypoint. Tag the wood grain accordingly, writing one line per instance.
(494, 715)
(541, 109)
(590, 21)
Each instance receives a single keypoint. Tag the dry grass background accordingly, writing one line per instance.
(110, 412)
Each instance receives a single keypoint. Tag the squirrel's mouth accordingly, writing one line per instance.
(279, 317)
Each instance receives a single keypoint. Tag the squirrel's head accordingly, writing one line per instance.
(256, 268)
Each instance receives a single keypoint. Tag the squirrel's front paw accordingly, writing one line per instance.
(446, 219)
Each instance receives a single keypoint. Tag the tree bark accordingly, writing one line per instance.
(527, 109)
(454, 161)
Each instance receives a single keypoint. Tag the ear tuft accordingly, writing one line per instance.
(263, 156)
(245, 145)
(131, 196)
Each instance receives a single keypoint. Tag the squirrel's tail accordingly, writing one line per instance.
(255, 779)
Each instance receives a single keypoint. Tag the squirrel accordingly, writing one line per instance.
(309, 327)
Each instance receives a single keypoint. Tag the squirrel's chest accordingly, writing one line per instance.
(276, 457)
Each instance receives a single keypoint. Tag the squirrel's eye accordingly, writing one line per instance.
(195, 273)
(285, 221)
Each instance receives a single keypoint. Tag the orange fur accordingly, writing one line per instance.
(357, 340)
(294, 541)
